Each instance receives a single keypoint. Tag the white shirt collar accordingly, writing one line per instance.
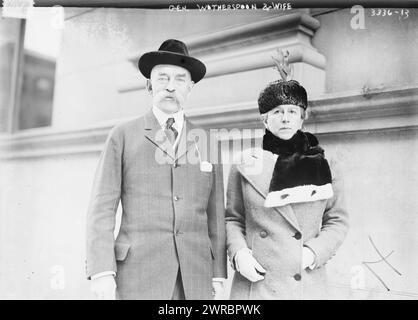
(162, 118)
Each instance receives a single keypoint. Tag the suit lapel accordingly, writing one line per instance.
(156, 136)
(258, 173)
(184, 144)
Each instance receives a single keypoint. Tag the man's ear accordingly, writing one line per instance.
(191, 85)
(264, 118)
(149, 86)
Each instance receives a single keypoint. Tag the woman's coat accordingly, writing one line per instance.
(277, 235)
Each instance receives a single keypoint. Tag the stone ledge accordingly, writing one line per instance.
(354, 112)
(331, 108)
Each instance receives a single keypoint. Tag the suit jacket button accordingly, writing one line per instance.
(263, 233)
(298, 235)
(297, 277)
(176, 198)
(175, 165)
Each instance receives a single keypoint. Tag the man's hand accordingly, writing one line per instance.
(218, 290)
(104, 288)
(248, 266)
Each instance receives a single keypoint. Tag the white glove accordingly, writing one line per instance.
(247, 266)
(308, 258)
(104, 288)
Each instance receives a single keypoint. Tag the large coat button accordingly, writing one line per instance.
(297, 277)
(298, 235)
(263, 233)
(176, 198)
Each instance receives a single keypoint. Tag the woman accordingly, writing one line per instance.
(285, 216)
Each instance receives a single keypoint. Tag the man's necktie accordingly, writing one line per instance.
(170, 131)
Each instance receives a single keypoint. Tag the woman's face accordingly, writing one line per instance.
(284, 120)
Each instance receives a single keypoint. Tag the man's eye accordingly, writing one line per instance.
(181, 79)
(162, 78)
(293, 111)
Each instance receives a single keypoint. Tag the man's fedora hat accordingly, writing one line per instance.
(172, 52)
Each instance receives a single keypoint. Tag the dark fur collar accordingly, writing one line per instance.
(301, 142)
(301, 163)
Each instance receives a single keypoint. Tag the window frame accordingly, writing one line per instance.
(16, 82)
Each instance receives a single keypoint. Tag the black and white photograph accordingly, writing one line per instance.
(229, 151)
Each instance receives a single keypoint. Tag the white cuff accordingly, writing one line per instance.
(218, 279)
(102, 274)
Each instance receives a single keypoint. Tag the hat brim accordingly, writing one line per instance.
(150, 59)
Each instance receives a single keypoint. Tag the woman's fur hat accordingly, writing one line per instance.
(282, 92)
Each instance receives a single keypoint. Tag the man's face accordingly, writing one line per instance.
(284, 120)
(169, 86)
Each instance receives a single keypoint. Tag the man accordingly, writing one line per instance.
(171, 244)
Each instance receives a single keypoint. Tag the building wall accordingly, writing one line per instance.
(380, 183)
(107, 39)
(44, 202)
(46, 174)
(379, 56)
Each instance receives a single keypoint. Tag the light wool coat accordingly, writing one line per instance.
(277, 235)
(173, 215)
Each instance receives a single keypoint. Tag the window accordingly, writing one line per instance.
(28, 90)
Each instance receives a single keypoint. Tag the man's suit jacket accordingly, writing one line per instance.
(173, 214)
(277, 235)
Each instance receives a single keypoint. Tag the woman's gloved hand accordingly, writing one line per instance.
(248, 266)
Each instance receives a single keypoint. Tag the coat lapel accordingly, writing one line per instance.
(258, 170)
(155, 135)
(185, 143)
